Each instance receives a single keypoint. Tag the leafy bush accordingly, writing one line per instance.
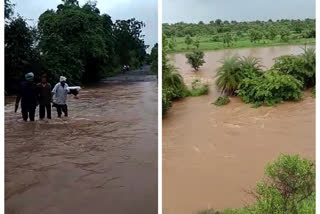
(198, 89)
(291, 181)
(301, 67)
(195, 59)
(270, 88)
(222, 101)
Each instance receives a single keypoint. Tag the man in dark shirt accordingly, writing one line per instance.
(28, 97)
(44, 97)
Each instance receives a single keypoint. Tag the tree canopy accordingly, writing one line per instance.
(75, 41)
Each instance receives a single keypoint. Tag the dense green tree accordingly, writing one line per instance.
(20, 51)
(8, 9)
(75, 41)
(129, 44)
(196, 59)
(255, 35)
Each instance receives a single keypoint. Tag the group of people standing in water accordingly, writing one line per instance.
(30, 95)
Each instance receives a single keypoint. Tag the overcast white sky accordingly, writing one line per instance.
(142, 10)
(193, 11)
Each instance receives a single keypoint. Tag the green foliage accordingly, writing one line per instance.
(227, 39)
(195, 59)
(75, 41)
(284, 34)
(270, 88)
(291, 181)
(222, 101)
(154, 59)
(233, 70)
(188, 41)
(229, 75)
(301, 67)
(20, 51)
(217, 35)
(255, 35)
(173, 86)
(196, 43)
(198, 89)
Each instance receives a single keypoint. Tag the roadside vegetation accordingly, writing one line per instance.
(220, 34)
(286, 80)
(76, 41)
(288, 188)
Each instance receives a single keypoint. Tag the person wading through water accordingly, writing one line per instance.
(28, 97)
(44, 97)
(61, 91)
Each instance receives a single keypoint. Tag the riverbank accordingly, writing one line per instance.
(206, 44)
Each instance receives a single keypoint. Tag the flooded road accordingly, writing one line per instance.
(213, 155)
(102, 159)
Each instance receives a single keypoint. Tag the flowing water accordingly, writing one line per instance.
(212, 156)
(102, 159)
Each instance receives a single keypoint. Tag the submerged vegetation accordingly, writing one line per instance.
(198, 89)
(218, 34)
(288, 188)
(284, 81)
(222, 101)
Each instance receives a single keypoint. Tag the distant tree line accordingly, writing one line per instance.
(226, 32)
(75, 41)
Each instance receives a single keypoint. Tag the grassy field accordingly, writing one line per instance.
(207, 43)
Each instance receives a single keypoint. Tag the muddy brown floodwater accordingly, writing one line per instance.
(102, 159)
(213, 155)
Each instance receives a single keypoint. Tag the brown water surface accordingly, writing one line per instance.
(213, 155)
(102, 159)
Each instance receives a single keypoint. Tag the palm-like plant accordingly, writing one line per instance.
(250, 67)
(229, 75)
(308, 66)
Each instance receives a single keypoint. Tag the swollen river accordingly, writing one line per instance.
(212, 156)
(102, 159)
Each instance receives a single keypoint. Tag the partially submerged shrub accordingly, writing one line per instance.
(198, 89)
(195, 59)
(270, 88)
(222, 101)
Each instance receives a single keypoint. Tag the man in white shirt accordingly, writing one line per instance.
(60, 91)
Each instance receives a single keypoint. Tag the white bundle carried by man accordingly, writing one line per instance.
(74, 90)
